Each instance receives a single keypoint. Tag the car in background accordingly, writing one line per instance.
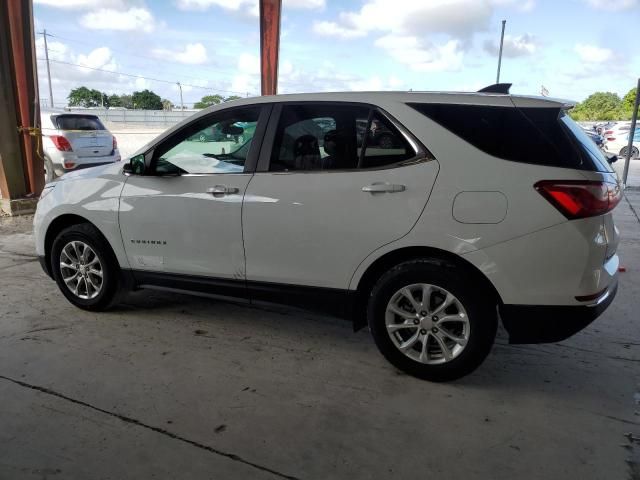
(72, 141)
(620, 144)
(597, 139)
(616, 130)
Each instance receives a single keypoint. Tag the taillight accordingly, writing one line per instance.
(608, 132)
(578, 198)
(115, 143)
(611, 139)
(61, 143)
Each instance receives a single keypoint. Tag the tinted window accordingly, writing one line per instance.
(78, 122)
(529, 135)
(332, 137)
(218, 143)
(385, 145)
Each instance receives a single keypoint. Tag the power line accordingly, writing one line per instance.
(171, 82)
(82, 42)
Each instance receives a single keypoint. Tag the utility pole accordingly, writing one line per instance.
(46, 56)
(269, 45)
(632, 132)
(181, 102)
(504, 22)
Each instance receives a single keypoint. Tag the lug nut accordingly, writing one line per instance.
(434, 330)
(416, 321)
(423, 314)
(423, 332)
(434, 318)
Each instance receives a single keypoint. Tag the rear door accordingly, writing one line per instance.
(86, 134)
(326, 194)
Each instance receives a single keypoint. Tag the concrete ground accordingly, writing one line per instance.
(170, 386)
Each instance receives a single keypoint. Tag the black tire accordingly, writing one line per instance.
(481, 315)
(89, 235)
(634, 152)
(49, 172)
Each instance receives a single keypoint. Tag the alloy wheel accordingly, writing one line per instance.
(81, 270)
(427, 323)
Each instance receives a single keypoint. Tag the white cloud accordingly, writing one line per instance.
(249, 7)
(248, 63)
(81, 4)
(613, 5)
(593, 54)
(191, 54)
(332, 29)
(423, 56)
(135, 18)
(99, 58)
(514, 46)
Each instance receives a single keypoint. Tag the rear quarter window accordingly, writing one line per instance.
(528, 135)
(78, 122)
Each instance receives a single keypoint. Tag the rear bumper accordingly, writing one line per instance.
(552, 323)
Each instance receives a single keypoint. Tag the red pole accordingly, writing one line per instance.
(18, 31)
(269, 45)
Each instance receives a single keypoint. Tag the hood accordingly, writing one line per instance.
(92, 172)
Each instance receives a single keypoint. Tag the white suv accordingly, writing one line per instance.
(483, 206)
(72, 141)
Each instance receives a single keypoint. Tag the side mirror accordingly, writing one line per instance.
(136, 165)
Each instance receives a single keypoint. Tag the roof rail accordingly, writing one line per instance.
(497, 88)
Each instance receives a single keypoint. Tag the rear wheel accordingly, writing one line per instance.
(634, 152)
(428, 321)
(84, 267)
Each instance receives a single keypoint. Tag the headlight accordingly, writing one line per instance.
(46, 191)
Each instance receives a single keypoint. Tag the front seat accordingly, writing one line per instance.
(306, 153)
(337, 148)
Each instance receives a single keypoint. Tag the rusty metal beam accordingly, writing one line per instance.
(270, 11)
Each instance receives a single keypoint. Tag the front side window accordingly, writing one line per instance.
(320, 137)
(219, 143)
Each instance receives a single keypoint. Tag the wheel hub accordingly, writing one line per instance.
(81, 270)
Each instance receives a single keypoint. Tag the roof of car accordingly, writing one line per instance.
(469, 98)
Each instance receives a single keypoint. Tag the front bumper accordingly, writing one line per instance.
(552, 323)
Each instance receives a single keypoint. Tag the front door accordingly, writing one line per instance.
(183, 215)
(339, 181)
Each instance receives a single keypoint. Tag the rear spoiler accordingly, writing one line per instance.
(497, 88)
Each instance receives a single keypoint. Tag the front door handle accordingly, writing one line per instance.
(220, 190)
(384, 188)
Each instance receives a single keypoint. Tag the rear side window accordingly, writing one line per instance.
(77, 122)
(323, 136)
(528, 135)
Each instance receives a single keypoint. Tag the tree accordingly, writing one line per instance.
(122, 101)
(84, 97)
(232, 97)
(146, 100)
(167, 105)
(628, 102)
(208, 100)
(599, 106)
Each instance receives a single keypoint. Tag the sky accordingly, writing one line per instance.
(572, 47)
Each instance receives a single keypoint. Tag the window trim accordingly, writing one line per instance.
(151, 157)
(422, 154)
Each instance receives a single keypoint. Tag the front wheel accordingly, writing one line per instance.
(634, 152)
(84, 267)
(429, 321)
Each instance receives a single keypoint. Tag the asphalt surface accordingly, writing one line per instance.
(171, 386)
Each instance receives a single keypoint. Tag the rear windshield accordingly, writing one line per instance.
(77, 122)
(542, 136)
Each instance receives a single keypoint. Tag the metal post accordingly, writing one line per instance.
(634, 119)
(46, 56)
(269, 45)
(504, 22)
(181, 102)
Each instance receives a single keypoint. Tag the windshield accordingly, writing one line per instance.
(587, 145)
(78, 122)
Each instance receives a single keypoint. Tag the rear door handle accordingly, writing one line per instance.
(220, 190)
(384, 188)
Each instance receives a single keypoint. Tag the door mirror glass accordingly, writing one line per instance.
(137, 165)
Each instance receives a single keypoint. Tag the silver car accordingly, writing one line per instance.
(72, 141)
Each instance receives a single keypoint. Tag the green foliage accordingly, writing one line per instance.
(122, 101)
(598, 106)
(209, 100)
(628, 102)
(232, 97)
(167, 105)
(83, 97)
(146, 100)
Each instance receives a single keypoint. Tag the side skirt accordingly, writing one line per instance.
(331, 301)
